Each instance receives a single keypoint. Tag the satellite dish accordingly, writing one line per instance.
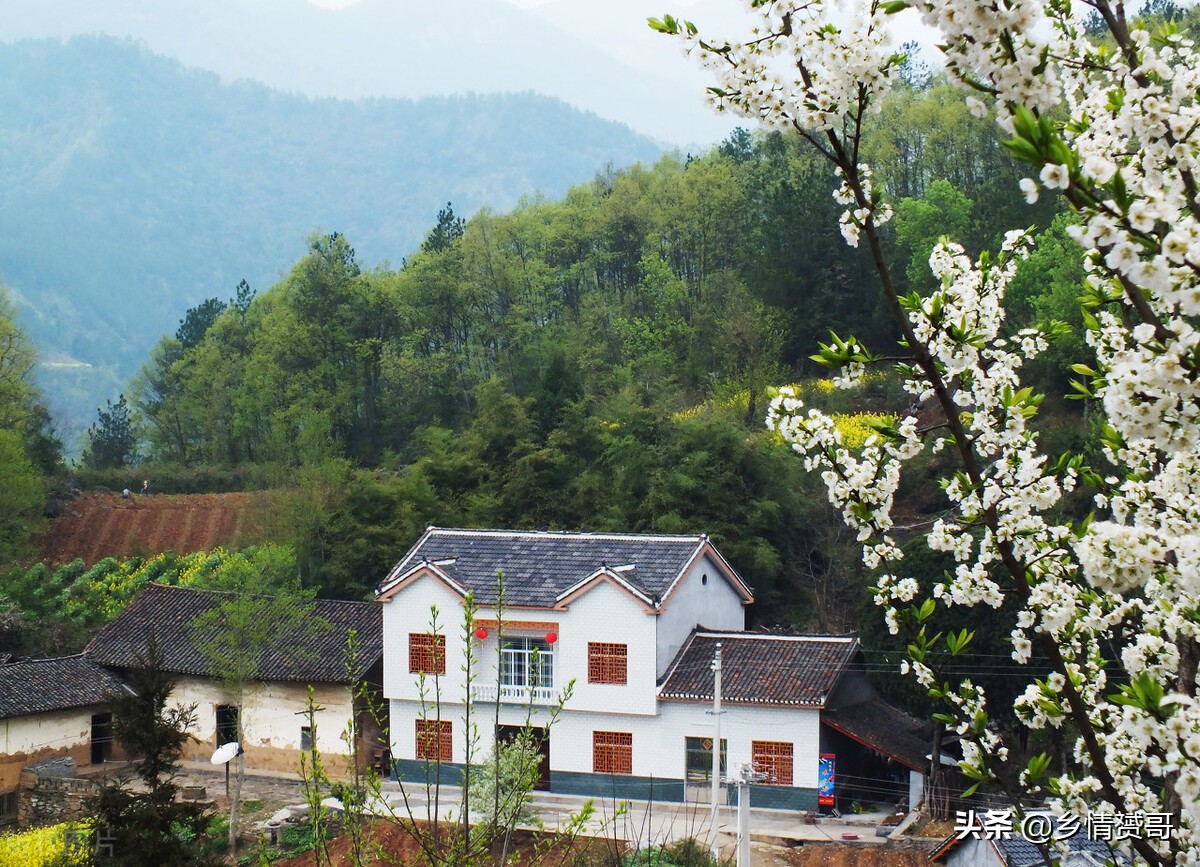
(226, 752)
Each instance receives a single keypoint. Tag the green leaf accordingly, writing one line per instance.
(666, 24)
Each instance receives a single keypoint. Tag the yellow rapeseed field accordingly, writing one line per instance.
(42, 846)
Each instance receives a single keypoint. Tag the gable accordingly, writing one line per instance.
(707, 560)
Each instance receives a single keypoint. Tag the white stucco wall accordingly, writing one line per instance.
(409, 611)
(272, 716)
(28, 734)
(604, 613)
(713, 605)
(26, 740)
(659, 742)
(609, 614)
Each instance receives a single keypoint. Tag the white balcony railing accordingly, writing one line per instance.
(504, 694)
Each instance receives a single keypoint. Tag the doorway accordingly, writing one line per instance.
(102, 738)
(505, 734)
(227, 724)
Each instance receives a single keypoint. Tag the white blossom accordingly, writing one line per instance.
(1118, 601)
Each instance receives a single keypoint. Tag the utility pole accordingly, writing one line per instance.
(715, 817)
(745, 777)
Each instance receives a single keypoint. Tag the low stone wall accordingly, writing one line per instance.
(50, 794)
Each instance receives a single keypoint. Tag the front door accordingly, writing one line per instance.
(102, 738)
(227, 724)
(504, 734)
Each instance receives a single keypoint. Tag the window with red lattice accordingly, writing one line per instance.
(434, 741)
(607, 663)
(612, 752)
(773, 758)
(426, 653)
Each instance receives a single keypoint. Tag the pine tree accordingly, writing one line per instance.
(149, 826)
(112, 440)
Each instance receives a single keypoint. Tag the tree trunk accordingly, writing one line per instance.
(235, 802)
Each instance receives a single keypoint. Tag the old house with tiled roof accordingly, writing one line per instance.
(1078, 843)
(51, 708)
(632, 622)
(274, 730)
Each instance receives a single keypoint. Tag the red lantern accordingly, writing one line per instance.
(551, 637)
(481, 633)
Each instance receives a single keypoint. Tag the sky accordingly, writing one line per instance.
(598, 55)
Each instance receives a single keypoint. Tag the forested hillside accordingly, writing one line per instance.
(134, 187)
(601, 361)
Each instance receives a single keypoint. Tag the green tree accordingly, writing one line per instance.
(198, 320)
(112, 439)
(940, 211)
(22, 497)
(445, 232)
(149, 825)
(234, 635)
(21, 407)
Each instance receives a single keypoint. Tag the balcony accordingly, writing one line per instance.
(505, 694)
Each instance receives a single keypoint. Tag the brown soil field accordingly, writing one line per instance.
(98, 525)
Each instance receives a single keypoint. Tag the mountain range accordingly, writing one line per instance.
(598, 56)
(135, 187)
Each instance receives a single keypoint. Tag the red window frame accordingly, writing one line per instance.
(773, 758)
(426, 653)
(435, 740)
(612, 752)
(607, 662)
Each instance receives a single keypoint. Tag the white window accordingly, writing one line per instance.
(526, 662)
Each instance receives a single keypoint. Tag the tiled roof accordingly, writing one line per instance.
(44, 685)
(1082, 851)
(760, 669)
(884, 728)
(1016, 851)
(539, 567)
(312, 655)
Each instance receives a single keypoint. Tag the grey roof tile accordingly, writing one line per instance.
(309, 656)
(1082, 851)
(797, 670)
(886, 729)
(45, 685)
(539, 566)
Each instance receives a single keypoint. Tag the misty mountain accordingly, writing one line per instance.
(135, 187)
(404, 49)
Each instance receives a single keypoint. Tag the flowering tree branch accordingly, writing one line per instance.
(1111, 603)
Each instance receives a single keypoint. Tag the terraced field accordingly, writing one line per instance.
(99, 525)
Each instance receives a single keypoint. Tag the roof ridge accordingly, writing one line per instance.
(569, 534)
(805, 636)
(80, 655)
(214, 592)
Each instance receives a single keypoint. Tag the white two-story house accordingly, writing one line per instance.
(632, 623)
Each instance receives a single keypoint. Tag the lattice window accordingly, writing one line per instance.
(612, 752)
(434, 741)
(773, 758)
(426, 653)
(607, 663)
